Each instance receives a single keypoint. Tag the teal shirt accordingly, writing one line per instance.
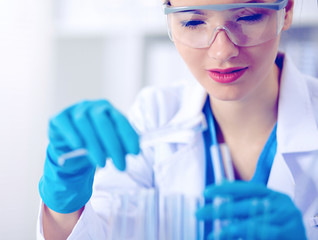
(264, 163)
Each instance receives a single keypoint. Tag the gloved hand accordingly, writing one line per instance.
(252, 212)
(94, 126)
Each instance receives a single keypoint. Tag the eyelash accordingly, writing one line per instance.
(252, 18)
(192, 24)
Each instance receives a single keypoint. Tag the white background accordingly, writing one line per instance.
(54, 53)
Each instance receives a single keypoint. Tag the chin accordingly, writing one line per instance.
(226, 92)
(227, 98)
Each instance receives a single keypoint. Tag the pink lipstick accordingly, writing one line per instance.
(228, 75)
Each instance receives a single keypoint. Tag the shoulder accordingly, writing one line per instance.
(305, 87)
(312, 85)
(293, 78)
(156, 106)
(160, 96)
(297, 110)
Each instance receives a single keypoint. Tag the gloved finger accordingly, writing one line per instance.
(205, 213)
(282, 208)
(215, 210)
(58, 140)
(62, 131)
(249, 229)
(129, 137)
(108, 136)
(228, 209)
(245, 208)
(84, 126)
(70, 165)
(236, 190)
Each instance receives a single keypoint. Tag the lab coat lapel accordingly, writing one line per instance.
(280, 178)
(296, 127)
(296, 130)
(188, 121)
(183, 170)
(192, 101)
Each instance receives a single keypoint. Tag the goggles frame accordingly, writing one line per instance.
(278, 5)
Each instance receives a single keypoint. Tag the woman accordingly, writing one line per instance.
(263, 109)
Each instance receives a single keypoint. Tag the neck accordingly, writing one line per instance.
(245, 125)
(254, 115)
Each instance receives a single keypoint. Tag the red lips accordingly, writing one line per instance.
(228, 75)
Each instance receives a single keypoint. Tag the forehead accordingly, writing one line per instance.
(177, 3)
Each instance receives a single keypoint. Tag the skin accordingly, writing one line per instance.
(58, 226)
(245, 111)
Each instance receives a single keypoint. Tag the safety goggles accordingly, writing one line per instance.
(246, 24)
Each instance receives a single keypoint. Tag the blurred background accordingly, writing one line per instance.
(56, 52)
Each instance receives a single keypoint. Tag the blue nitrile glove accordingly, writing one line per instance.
(252, 212)
(92, 126)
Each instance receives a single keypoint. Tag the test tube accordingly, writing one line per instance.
(134, 215)
(177, 218)
(223, 170)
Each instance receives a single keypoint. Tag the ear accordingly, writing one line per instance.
(289, 15)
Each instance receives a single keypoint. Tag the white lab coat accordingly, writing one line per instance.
(176, 161)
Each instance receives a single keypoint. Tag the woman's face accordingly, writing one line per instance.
(249, 70)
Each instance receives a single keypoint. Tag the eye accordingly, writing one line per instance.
(251, 18)
(192, 24)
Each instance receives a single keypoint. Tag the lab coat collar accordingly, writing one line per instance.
(188, 121)
(192, 101)
(296, 125)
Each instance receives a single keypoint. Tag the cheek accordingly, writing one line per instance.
(259, 59)
(262, 57)
(194, 59)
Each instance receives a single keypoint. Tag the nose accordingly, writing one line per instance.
(222, 48)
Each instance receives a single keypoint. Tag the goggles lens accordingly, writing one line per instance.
(245, 26)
